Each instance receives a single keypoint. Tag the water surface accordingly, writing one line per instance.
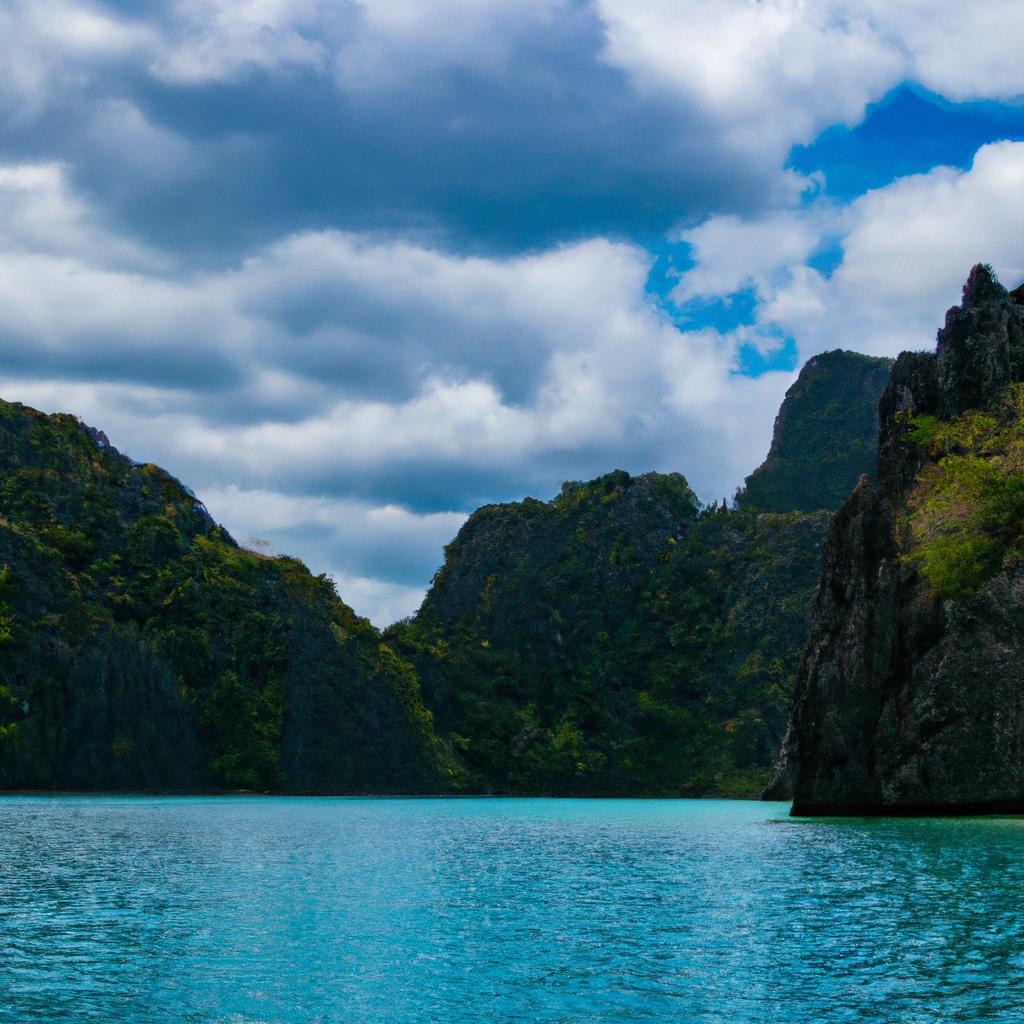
(249, 910)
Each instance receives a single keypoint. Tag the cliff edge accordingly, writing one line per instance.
(909, 698)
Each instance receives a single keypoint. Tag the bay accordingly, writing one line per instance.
(248, 909)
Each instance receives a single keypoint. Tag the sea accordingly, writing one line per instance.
(395, 911)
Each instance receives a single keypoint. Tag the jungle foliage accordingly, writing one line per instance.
(616, 640)
(141, 647)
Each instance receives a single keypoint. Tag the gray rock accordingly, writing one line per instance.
(905, 703)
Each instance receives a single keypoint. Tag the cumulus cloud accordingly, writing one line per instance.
(39, 214)
(964, 55)
(351, 268)
(499, 129)
(210, 127)
(732, 253)
(905, 252)
(777, 72)
(380, 556)
(53, 46)
(774, 72)
(385, 387)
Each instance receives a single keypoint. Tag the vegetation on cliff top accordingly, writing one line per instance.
(618, 639)
(966, 511)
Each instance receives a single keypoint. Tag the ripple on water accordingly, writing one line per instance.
(286, 910)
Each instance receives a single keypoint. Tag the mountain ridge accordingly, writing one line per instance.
(141, 647)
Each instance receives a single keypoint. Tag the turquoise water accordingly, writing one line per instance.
(249, 909)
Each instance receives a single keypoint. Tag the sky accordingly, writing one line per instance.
(353, 268)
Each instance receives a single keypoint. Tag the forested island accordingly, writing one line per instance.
(618, 639)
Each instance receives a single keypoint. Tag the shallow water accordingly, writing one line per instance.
(250, 909)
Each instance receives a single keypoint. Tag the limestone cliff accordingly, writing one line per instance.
(142, 648)
(910, 694)
(825, 436)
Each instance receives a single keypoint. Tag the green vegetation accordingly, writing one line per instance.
(966, 512)
(620, 639)
(617, 639)
(826, 436)
(140, 647)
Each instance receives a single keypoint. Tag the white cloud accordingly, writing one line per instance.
(732, 253)
(55, 45)
(517, 373)
(40, 215)
(774, 72)
(381, 556)
(906, 251)
(961, 52)
(381, 602)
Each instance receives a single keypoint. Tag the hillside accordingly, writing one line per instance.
(619, 638)
(825, 436)
(141, 648)
(616, 640)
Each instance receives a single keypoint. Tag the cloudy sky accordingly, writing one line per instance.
(352, 268)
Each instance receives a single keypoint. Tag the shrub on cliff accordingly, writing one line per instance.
(966, 512)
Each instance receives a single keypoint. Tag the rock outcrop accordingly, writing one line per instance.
(825, 436)
(910, 694)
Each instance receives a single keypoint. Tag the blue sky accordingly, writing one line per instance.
(351, 268)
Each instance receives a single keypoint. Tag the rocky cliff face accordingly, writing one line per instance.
(910, 694)
(825, 436)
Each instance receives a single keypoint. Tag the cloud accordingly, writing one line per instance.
(777, 72)
(362, 266)
(732, 253)
(774, 73)
(209, 128)
(51, 47)
(906, 250)
(381, 556)
(387, 370)
(959, 56)
(41, 216)
(219, 40)
(212, 127)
